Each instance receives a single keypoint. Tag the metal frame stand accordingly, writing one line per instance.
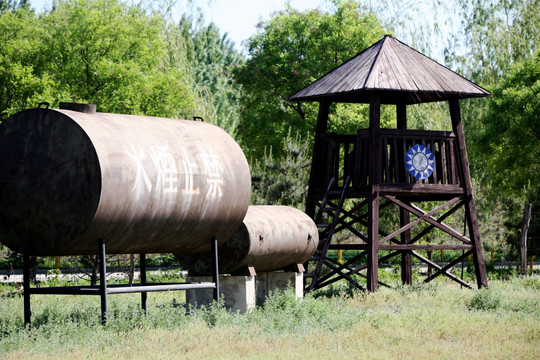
(103, 290)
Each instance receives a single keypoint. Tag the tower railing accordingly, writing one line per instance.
(341, 156)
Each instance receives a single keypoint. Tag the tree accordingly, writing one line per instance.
(495, 34)
(21, 85)
(10, 5)
(511, 137)
(281, 180)
(113, 54)
(212, 57)
(498, 48)
(106, 52)
(288, 52)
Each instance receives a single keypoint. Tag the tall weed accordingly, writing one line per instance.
(283, 312)
(435, 320)
(485, 299)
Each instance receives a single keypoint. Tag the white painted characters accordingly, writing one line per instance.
(138, 157)
(212, 169)
(189, 169)
(167, 174)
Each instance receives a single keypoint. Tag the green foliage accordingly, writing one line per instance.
(431, 320)
(500, 219)
(21, 84)
(10, 5)
(105, 52)
(497, 48)
(517, 294)
(485, 299)
(495, 34)
(173, 275)
(511, 139)
(282, 312)
(162, 260)
(288, 52)
(282, 180)
(505, 152)
(112, 54)
(212, 57)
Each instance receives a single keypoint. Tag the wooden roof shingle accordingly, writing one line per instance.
(394, 70)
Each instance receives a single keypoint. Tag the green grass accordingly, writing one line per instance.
(433, 321)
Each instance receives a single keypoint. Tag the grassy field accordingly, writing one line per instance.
(433, 321)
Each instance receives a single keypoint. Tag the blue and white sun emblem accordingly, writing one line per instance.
(420, 162)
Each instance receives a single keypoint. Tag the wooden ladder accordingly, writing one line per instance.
(325, 240)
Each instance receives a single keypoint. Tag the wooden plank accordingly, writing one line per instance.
(355, 73)
(442, 155)
(402, 247)
(418, 74)
(406, 263)
(314, 176)
(447, 79)
(398, 161)
(391, 65)
(441, 218)
(433, 151)
(408, 177)
(418, 188)
(373, 198)
(453, 166)
(346, 160)
(366, 161)
(387, 77)
(386, 162)
(371, 78)
(442, 271)
(356, 179)
(428, 216)
(432, 71)
(470, 207)
(404, 78)
(430, 134)
(422, 216)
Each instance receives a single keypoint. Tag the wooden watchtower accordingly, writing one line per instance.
(354, 177)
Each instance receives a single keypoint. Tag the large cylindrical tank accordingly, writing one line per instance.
(271, 237)
(145, 184)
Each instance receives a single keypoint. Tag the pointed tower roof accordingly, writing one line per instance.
(394, 70)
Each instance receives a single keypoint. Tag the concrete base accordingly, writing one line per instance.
(237, 292)
(242, 293)
(272, 282)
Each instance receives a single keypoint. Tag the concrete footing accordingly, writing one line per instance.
(243, 293)
(271, 282)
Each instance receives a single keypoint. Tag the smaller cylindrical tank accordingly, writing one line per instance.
(271, 237)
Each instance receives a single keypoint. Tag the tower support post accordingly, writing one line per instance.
(373, 197)
(470, 207)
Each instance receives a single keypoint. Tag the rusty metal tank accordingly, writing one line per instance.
(271, 237)
(145, 184)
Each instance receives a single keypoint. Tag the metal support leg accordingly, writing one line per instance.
(26, 289)
(215, 267)
(103, 282)
(144, 295)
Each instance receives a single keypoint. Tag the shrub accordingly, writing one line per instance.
(485, 299)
